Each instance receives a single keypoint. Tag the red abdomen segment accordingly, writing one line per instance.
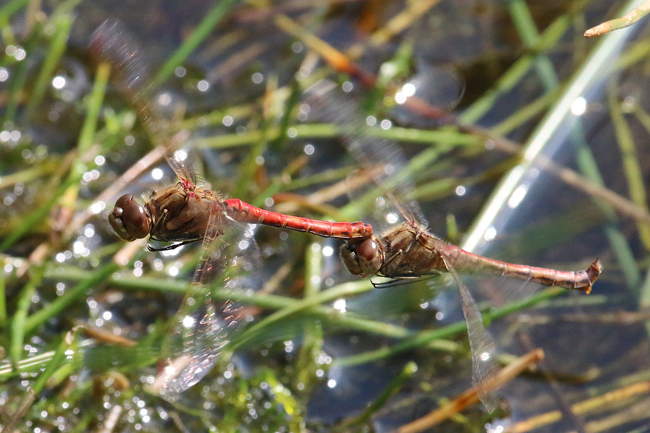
(468, 262)
(244, 212)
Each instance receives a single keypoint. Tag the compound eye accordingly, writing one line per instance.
(368, 250)
(129, 220)
(370, 257)
(136, 221)
(124, 201)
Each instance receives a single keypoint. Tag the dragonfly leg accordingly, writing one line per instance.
(395, 257)
(402, 280)
(172, 246)
(160, 221)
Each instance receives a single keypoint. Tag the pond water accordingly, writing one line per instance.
(532, 148)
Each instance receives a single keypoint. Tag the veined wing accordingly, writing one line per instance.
(481, 344)
(396, 189)
(203, 325)
(392, 191)
(111, 42)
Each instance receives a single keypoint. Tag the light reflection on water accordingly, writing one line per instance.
(568, 348)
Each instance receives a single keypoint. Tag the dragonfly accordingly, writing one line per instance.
(406, 251)
(185, 213)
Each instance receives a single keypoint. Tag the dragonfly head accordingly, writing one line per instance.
(363, 257)
(129, 219)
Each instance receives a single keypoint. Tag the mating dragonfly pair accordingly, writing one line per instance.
(185, 213)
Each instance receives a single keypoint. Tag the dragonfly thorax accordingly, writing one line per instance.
(129, 219)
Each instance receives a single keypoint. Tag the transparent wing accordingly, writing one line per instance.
(111, 42)
(203, 325)
(385, 164)
(481, 344)
(394, 200)
(383, 160)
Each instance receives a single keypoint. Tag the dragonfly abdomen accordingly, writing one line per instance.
(464, 261)
(244, 212)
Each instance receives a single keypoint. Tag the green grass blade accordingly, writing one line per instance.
(200, 33)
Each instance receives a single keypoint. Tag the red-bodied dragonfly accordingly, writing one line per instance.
(185, 213)
(405, 250)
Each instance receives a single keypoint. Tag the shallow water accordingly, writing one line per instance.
(285, 377)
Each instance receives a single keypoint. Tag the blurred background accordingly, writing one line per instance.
(525, 142)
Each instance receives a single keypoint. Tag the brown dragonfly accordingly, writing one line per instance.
(407, 251)
(184, 213)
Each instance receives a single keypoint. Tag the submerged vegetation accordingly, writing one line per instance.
(526, 143)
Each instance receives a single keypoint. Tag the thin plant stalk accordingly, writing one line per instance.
(80, 166)
(425, 337)
(631, 166)
(62, 21)
(200, 33)
(18, 322)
